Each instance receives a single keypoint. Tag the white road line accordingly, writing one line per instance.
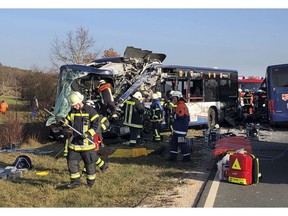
(212, 192)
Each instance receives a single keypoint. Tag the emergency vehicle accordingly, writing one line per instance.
(248, 94)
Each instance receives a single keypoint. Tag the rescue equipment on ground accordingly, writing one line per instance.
(212, 135)
(23, 162)
(232, 143)
(252, 130)
(243, 169)
(130, 152)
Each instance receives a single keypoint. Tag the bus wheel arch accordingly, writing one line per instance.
(212, 117)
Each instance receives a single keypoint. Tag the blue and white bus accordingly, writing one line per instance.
(276, 87)
(211, 93)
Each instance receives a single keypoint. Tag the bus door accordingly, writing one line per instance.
(278, 104)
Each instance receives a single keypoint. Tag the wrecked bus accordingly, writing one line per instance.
(135, 71)
(142, 70)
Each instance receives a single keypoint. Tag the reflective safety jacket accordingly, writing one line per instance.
(169, 107)
(156, 111)
(134, 111)
(85, 120)
(106, 93)
(181, 118)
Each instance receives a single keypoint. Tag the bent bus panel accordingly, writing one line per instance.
(211, 94)
(277, 93)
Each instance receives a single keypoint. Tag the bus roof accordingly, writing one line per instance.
(196, 68)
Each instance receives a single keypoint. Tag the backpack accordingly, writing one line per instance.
(23, 162)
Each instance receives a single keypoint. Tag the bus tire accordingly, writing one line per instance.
(212, 118)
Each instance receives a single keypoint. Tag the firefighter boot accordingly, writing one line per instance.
(73, 184)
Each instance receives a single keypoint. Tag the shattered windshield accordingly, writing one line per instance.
(62, 105)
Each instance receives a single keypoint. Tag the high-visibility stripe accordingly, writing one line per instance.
(81, 147)
(94, 117)
(179, 132)
(75, 175)
(91, 177)
(100, 162)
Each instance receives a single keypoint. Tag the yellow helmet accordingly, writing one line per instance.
(75, 98)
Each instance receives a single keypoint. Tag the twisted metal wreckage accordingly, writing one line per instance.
(137, 70)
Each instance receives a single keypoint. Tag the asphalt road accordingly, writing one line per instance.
(271, 191)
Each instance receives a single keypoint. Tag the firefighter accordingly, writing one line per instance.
(156, 117)
(248, 101)
(133, 117)
(180, 127)
(84, 119)
(106, 92)
(169, 107)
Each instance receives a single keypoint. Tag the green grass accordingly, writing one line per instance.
(14, 102)
(125, 184)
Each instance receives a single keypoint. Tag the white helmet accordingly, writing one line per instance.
(177, 94)
(155, 96)
(75, 98)
(171, 92)
(101, 82)
(137, 95)
(90, 102)
(159, 94)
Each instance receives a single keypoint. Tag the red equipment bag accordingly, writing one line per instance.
(243, 169)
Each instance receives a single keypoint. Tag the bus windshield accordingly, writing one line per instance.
(279, 77)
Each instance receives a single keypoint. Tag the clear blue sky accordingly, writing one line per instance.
(247, 40)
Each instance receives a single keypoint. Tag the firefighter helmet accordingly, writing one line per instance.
(100, 82)
(90, 103)
(75, 98)
(138, 95)
(23, 162)
(155, 96)
(177, 94)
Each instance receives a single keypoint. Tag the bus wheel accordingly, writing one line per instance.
(212, 118)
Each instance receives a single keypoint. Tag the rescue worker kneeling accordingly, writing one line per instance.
(84, 119)
(156, 117)
(180, 127)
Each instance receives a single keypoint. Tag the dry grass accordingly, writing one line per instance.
(126, 183)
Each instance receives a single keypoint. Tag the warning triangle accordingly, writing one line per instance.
(236, 165)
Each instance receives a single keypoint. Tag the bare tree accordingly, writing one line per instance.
(74, 50)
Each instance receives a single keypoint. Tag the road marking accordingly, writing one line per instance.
(212, 192)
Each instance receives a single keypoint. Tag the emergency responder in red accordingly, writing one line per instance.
(106, 92)
(156, 117)
(180, 127)
(133, 117)
(3, 107)
(84, 119)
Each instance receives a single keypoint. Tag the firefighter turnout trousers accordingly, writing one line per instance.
(179, 140)
(89, 157)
